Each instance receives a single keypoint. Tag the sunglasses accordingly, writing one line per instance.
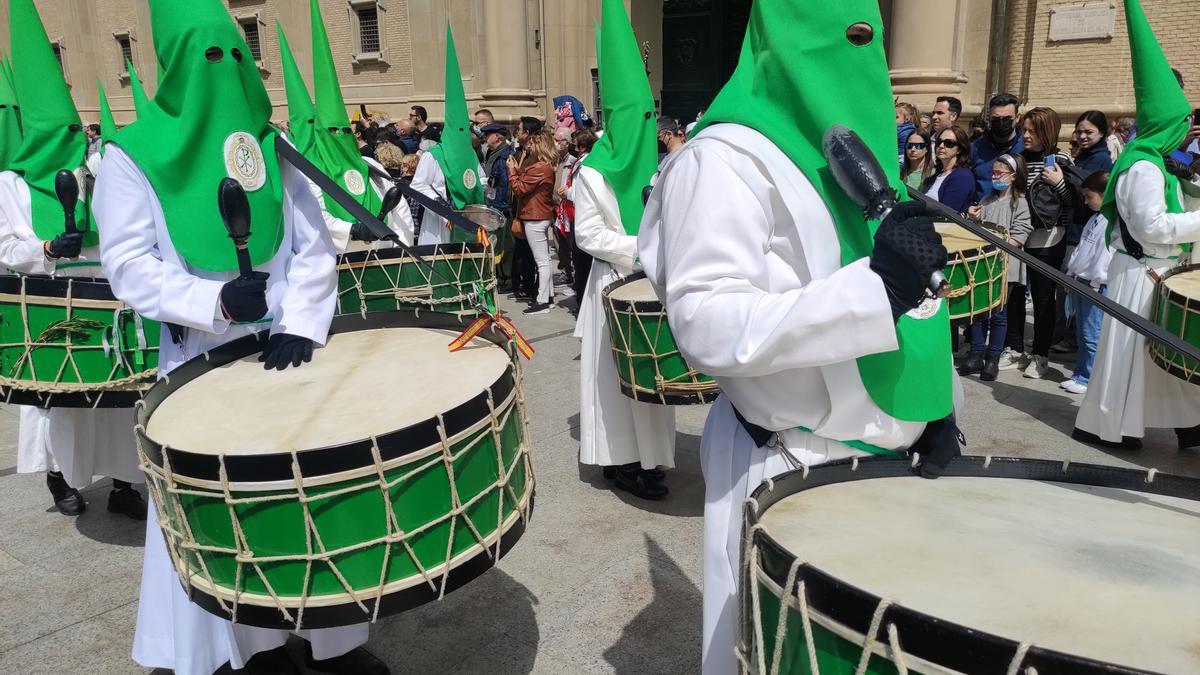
(948, 143)
(917, 146)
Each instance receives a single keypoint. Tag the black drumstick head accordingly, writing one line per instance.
(234, 208)
(390, 201)
(66, 187)
(858, 172)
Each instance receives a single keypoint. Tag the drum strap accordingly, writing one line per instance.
(1133, 248)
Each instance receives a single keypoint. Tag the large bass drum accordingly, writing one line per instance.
(1177, 310)
(1000, 566)
(390, 279)
(384, 474)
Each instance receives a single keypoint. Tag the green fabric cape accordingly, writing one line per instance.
(53, 138)
(455, 154)
(302, 114)
(1163, 113)
(208, 120)
(627, 154)
(335, 151)
(798, 75)
(10, 117)
(108, 126)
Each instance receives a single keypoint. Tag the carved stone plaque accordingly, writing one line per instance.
(1088, 21)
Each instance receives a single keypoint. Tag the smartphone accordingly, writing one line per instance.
(1051, 161)
(1196, 117)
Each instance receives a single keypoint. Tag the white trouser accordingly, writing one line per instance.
(538, 234)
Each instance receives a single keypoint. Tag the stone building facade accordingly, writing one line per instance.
(517, 55)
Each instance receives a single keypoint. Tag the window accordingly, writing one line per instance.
(125, 44)
(368, 29)
(597, 111)
(253, 37)
(58, 54)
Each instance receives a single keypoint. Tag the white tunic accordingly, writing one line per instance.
(613, 428)
(745, 254)
(148, 274)
(400, 220)
(431, 182)
(1128, 392)
(81, 443)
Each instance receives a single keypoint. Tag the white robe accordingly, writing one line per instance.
(1128, 392)
(745, 255)
(431, 182)
(400, 220)
(613, 428)
(80, 442)
(148, 275)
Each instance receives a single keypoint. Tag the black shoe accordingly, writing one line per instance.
(1127, 442)
(610, 472)
(657, 474)
(357, 661)
(538, 308)
(639, 483)
(504, 289)
(124, 499)
(1188, 438)
(67, 499)
(972, 365)
(273, 662)
(991, 367)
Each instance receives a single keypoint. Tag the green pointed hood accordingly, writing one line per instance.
(108, 126)
(1163, 112)
(627, 154)
(302, 115)
(52, 138)
(335, 150)
(216, 116)
(10, 117)
(141, 102)
(455, 153)
(798, 75)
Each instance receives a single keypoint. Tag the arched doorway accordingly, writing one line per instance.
(701, 43)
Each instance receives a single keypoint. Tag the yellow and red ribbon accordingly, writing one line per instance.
(503, 323)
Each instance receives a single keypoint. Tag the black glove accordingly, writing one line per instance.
(283, 349)
(940, 443)
(360, 232)
(1179, 169)
(245, 300)
(908, 250)
(66, 245)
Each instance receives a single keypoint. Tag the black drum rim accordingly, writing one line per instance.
(1164, 293)
(330, 460)
(396, 253)
(83, 288)
(925, 636)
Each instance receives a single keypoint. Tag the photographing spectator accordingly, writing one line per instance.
(1093, 148)
(918, 160)
(1001, 139)
(954, 183)
(946, 112)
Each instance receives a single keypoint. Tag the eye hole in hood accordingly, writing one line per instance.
(860, 34)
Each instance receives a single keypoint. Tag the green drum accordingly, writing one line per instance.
(68, 342)
(1177, 309)
(390, 279)
(306, 499)
(649, 365)
(1000, 566)
(977, 273)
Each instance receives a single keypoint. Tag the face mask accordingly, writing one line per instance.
(1000, 186)
(1001, 128)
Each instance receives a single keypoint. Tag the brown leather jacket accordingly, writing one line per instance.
(533, 188)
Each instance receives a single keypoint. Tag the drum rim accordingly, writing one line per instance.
(97, 398)
(329, 460)
(639, 305)
(925, 636)
(987, 250)
(1157, 352)
(427, 251)
(83, 288)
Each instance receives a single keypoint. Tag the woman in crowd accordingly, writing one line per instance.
(917, 165)
(954, 183)
(532, 186)
(1052, 200)
(392, 159)
(1094, 154)
(1005, 208)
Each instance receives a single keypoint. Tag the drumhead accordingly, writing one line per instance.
(638, 290)
(1103, 573)
(361, 384)
(1185, 283)
(956, 238)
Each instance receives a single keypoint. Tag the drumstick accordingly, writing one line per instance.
(235, 212)
(858, 174)
(390, 201)
(66, 188)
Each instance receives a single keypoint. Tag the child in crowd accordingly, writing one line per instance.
(1004, 209)
(1089, 264)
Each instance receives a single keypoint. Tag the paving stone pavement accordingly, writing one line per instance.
(600, 583)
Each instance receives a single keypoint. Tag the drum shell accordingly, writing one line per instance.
(108, 360)
(978, 279)
(1179, 315)
(376, 280)
(200, 497)
(649, 366)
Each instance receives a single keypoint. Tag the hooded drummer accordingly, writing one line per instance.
(450, 172)
(1153, 208)
(72, 445)
(322, 134)
(631, 439)
(167, 255)
(813, 320)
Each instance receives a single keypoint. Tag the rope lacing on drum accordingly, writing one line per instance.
(428, 294)
(1014, 666)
